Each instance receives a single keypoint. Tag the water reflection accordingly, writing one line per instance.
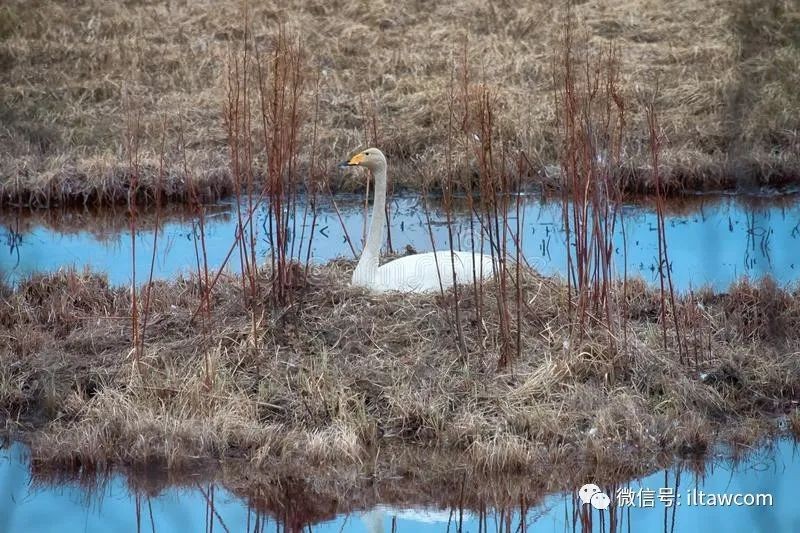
(116, 503)
(712, 240)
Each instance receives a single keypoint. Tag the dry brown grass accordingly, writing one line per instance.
(342, 377)
(727, 72)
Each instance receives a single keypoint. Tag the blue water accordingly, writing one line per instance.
(715, 243)
(26, 506)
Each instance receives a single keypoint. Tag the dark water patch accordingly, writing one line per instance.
(753, 494)
(712, 240)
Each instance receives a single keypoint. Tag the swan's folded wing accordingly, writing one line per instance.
(432, 271)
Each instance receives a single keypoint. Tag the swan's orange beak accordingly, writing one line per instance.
(356, 160)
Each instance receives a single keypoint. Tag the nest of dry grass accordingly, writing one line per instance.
(341, 376)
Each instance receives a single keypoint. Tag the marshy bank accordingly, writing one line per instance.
(79, 83)
(339, 375)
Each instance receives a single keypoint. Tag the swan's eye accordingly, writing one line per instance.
(366, 153)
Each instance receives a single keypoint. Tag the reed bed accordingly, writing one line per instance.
(727, 72)
(343, 375)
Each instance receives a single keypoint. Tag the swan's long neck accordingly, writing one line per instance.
(368, 264)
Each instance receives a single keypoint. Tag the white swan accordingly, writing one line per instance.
(413, 273)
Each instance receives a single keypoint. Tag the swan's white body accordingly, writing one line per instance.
(418, 273)
(414, 273)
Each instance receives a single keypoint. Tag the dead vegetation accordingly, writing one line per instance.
(340, 376)
(726, 70)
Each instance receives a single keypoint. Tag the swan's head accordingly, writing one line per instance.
(372, 158)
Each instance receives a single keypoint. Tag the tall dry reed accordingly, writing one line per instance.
(666, 287)
(491, 201)
(591, 119)
(131, 143)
